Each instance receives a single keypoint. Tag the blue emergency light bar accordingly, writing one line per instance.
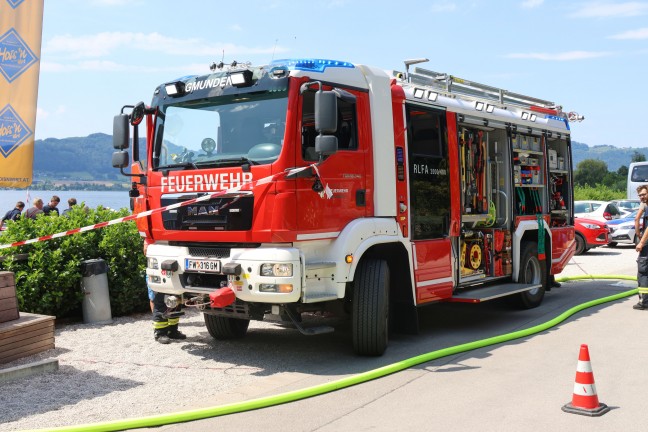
(311, 65)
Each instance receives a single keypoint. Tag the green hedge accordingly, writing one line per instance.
(49, 280)
(598, 192)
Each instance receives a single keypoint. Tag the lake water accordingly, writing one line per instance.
(114, 200)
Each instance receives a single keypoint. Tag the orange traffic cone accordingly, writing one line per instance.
(585, 400)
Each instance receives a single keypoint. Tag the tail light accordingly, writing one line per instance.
(607, 216)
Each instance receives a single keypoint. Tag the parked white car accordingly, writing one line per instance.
(629, 205)
(602, 211)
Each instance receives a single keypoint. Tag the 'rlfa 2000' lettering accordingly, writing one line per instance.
(204, 182)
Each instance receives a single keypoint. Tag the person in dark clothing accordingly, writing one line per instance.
(51, 207)
(71, 203)
(642, 259)
(14, 214)
(165, 318)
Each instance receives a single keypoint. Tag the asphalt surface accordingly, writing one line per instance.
(519, 385)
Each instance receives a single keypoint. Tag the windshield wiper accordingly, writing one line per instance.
(230, 161)
(183, 165)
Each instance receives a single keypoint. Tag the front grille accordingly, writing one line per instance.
(217, 214)
(209, 252)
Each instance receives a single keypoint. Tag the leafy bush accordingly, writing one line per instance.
(49, 280)
(598, 193)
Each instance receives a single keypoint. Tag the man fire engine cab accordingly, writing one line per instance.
(320, 185)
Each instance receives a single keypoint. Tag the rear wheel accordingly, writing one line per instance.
(581, 245)
(532, 271)
(370, 322)
(222, 328)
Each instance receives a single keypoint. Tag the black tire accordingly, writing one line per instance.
(223, 328)
(581, 244)
(612, 244)
(532, 271)
(370, 314)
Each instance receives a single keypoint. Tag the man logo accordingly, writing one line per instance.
(202, 210)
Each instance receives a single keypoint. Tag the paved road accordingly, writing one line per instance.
(516, 386)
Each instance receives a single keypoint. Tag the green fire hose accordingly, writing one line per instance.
(264, 402)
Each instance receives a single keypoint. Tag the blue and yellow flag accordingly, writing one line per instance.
(21, 23)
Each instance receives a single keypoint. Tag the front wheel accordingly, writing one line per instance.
(612, 244)
(581, 245)
(370, 313)
(532, 271)
(223, 328)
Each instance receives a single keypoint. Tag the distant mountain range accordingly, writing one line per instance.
(89, 158)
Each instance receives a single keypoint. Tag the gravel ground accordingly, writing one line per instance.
(117, 371)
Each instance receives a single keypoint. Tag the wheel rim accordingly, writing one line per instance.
(532, 274)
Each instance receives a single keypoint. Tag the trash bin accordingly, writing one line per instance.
(96, 298)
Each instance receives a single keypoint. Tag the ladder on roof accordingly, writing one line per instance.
(455, 85)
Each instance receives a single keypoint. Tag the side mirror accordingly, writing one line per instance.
(326, 145)
(137, 115)
(120, 132)
(120, 159)
(326, 112)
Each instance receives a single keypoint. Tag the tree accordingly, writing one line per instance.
(590, 172)
(638, 157)
(623, 171)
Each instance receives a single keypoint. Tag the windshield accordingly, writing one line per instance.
(224, 131)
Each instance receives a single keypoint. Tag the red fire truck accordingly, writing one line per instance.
(333, 186)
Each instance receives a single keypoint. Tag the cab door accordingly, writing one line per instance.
(322, 212)
(430, 198)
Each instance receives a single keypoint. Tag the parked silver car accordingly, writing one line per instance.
(622, 230)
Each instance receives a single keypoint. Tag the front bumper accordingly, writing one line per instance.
(622, 235)
(249, 285)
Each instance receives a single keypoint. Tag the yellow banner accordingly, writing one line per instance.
(21, 23)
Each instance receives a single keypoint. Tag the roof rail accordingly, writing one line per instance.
(455, 85)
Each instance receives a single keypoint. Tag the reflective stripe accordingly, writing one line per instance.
(643, 290)
(585, 389)
(174, 321)
(584, 366)
(160, 324)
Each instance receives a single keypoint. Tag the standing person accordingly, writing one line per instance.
(642, 248)
(71, 203)
(51, 207)
(165, 319)
(32, 212)
(13, 214)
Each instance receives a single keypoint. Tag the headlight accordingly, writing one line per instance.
(276, 269)
(152, 263)
(591, 226)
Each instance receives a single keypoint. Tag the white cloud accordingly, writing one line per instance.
(530, 4)
(106, 43)
(611, 9)
(110, 66)
(641, 33)
(441, 7)
(564, 56)
(43, 114)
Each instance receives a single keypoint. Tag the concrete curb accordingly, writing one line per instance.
(28, 370)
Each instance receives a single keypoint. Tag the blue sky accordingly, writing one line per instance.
(588, 56)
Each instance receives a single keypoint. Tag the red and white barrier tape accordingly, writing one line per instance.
(231, 191)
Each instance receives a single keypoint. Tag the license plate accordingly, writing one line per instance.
(202, 265)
